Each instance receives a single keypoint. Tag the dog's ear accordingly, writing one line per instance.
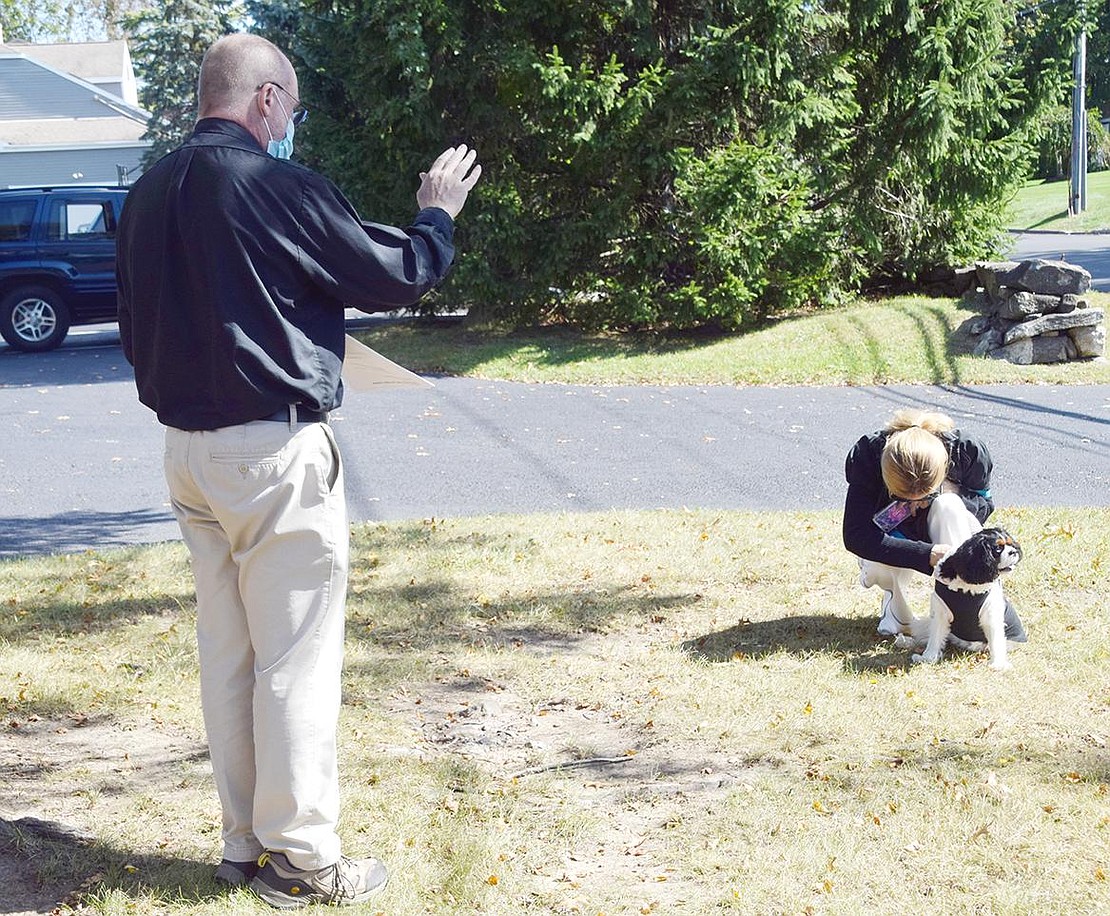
(949, 567)
(978, 558)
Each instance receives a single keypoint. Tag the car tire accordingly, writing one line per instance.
(34, 318)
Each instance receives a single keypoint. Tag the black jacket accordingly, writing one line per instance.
(969, 466)
(234, 270)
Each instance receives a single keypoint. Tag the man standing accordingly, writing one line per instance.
(234, 269)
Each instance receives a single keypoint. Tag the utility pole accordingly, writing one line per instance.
(1077, 199)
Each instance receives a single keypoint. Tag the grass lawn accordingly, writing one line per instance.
(1044, 205)
(621, 713)
(904, 340)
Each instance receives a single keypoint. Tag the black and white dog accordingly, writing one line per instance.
(967, 607)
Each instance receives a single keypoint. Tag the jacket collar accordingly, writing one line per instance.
(221, 132)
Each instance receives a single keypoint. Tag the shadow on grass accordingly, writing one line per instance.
(546, 347)
(942, 366)
(931, 323)
(431, 615)
(851, 638)
(870, 356)
(1062, 215)
(76, 618)
(59, 872)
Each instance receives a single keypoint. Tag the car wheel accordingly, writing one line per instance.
(34, 318)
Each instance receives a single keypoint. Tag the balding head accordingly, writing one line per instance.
(231, 73)
(235, 66)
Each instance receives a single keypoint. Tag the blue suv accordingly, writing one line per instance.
(57, 261)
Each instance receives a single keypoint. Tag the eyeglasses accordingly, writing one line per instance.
(300, 113)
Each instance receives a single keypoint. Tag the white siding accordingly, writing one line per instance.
(43, 167)
(28, 90)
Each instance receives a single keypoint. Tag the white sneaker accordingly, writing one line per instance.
(890, 624)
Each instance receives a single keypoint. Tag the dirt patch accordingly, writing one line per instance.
(49, 767)
(634, 785)
(631, 785)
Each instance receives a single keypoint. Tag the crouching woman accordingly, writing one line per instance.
(918, 465)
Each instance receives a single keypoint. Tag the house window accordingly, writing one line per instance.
(85, 219)
(15, 220)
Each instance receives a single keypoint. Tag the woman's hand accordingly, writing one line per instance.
(938, 553)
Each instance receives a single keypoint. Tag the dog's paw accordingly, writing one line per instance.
(925, 658)
(1002, 664)
(904, 641)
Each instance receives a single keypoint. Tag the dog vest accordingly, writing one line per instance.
(965, 615)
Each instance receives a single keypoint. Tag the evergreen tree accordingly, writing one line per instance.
(681, 163)
(64, 20)
(1098, 60)
(168, 42)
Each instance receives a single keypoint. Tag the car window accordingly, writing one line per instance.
(15, 219)
(81, 219)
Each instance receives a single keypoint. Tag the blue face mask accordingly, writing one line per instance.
(283, 148)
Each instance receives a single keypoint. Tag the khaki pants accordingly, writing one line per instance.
(262, 511)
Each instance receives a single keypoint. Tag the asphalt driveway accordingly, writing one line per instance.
(80, 458)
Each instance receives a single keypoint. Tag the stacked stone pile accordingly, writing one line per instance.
(1034, 312)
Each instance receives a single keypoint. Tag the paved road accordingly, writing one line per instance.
(80, 459)
(1089, 251)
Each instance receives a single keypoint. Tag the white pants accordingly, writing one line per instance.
(895, 579)
(262, 511)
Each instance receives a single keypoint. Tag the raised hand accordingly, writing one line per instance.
(449, 180)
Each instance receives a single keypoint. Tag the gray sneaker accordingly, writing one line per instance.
(236, 874)
(288, 888)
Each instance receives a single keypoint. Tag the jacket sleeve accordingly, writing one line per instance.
(970, 468)
(367, 265)
(866, 495)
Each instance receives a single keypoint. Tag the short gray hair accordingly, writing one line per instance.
(235, 66)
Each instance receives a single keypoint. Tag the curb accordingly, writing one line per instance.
(1058, 232)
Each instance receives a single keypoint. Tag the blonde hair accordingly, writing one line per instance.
(915, 459)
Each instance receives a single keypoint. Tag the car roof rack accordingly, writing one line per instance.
(91, 186)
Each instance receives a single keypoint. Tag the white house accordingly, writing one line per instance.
(69, 114)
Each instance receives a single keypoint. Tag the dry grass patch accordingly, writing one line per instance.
(651, 712)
